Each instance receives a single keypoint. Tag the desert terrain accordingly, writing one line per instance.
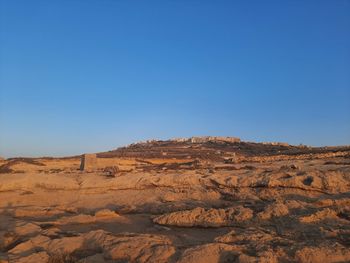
(202, 199)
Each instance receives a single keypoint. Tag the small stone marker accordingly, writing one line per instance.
(88, 162)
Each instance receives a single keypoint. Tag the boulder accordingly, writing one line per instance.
(111, 171)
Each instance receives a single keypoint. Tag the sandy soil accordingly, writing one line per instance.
(179, 202)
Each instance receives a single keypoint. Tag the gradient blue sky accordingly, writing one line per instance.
(86, 75)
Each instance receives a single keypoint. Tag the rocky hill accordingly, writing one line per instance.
(215, 148)
(208, 199)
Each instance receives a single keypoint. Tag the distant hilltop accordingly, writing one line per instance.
(195, 139)
(203, 139)
(220, 149)
(215, 139)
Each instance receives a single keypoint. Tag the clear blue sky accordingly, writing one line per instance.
(90, 75)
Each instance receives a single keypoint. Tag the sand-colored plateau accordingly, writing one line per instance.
(211, 199)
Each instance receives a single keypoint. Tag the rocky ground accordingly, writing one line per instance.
(179, 201)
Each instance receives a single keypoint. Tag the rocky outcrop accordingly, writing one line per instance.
(325, 214)
(97, 244)
(206, 217)
(210, 253)
(257, 238)
(101, 215)
(276, 209)
(331, 253)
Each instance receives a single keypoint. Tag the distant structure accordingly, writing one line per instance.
(180, 139)
(195, 139)
(214, 139)
(204, 139)
(88, 162)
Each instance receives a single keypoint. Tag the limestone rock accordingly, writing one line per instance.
(320, 215)
(7, 239)
(331, 253)
(41, 257)
(23, 228)
(126, 247)
(88, 162)
(253, 236)
(206, 217)
(210, 253)
(106, 213)
(97, 258)
(111, 171)
(274, 210)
